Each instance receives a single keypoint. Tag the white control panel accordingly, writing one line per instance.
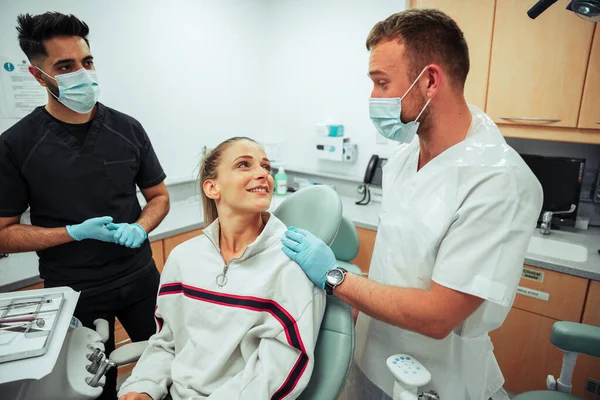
(409, 373)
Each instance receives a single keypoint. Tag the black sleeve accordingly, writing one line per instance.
(14, 191)
(150, 172)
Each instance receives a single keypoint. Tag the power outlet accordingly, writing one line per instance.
(593, 387)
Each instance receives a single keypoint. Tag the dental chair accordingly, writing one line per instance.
(335, 345)
(572, 338)
(317, 209)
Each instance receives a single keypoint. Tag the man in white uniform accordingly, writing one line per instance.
(459, 207)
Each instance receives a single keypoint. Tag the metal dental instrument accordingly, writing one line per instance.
(104, 367)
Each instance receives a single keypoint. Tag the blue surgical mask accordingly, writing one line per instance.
(78, 91)
(385, 114)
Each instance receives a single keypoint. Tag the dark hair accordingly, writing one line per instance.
(34, 29)
(429, 36)
(208, 170)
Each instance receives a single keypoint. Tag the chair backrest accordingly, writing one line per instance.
(333, 353)
(346, 244)
(318, 209)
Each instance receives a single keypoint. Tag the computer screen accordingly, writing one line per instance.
(561, 179)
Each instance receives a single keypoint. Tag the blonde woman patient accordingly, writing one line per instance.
(236, 318)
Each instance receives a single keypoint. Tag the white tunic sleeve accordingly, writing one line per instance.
(483, 250)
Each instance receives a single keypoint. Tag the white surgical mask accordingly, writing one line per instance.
(385, 114)
(78, 91)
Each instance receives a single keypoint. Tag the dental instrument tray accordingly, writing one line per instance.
(26, 325)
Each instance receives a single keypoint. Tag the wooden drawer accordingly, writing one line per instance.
(566, 295)
(121, 336)
(366, 238)
(39, 285)
(158, 254)
(171, 242)
(524, 352)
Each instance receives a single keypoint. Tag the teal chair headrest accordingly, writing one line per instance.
(318, 209)
(346, 244)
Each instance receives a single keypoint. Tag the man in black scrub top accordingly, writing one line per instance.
(76, 164)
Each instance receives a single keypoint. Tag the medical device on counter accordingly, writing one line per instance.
(45, 352)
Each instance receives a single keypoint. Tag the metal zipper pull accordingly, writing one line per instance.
(222, 277)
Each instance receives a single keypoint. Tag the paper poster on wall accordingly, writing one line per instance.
(21, 93)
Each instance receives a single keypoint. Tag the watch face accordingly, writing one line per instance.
(334, 276)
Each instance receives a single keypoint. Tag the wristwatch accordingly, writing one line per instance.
(333, 278)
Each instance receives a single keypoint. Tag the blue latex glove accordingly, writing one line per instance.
(310, 252)
(93, 228)
(128, 235)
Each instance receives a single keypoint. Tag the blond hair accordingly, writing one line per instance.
(208, 170)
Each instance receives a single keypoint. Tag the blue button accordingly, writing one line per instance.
(395, 362)
(402, 358)
(418, 368)
(397, 359)
(408, 358)
(414, 372)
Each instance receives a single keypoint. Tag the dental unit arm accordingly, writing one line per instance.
(74, 365)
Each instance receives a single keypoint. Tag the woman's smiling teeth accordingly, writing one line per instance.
(260, 189)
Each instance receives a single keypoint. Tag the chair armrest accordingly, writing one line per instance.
(576, 338)
(128, 353)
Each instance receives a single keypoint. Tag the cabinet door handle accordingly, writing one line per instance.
(598, 122)
(549, 120)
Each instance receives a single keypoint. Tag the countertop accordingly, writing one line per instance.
(20, 270)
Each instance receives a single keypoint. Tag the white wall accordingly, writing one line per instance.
(316, 64)
(188, 70)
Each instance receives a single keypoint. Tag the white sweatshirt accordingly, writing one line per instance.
(252, 339)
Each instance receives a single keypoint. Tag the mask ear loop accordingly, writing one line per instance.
(414, 83)
(39, 69)
(426, 104)
(411, 86)
(47, 88)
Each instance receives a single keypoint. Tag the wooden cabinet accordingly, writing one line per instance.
(524, 352)
(171, 242)
(587, 366)
(522, 344)
(39, 285)
(158, 254)
(589, 117)
(538, 67)
(122, 338)
(566, 295)
(366, 239)
(475, 19)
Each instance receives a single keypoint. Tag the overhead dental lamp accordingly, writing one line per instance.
(585, 9)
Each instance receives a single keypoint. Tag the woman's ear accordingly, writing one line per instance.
(210, 189)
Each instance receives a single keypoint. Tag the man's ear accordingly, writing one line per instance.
(37, 74)
(211, 189)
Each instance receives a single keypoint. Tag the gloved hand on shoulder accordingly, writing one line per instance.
(311, 253)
